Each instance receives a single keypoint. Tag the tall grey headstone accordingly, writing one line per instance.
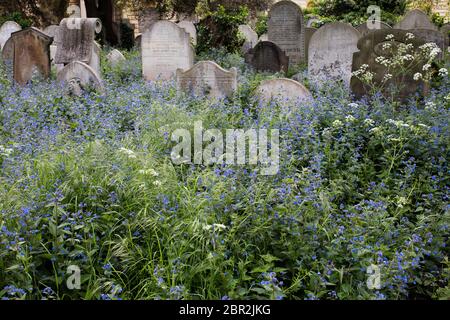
(331, 52)
(286, 28)
(208, 78)
(5, 31)
(165, 48)
(416, 19)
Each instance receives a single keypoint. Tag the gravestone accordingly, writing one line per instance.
(308, 35)
(138, 40)
(364, 29)
(31, 54)
(5, 31)
(372, 46)
(330, 53)
(283, 90)
(250, 36)
(115, 57)
(416, 19)
(77, 42)
(8, 55)
(78, 77)
(267, 56)
(165, 49)
(189, 27)
(434, 36)
(286, 28)
(53, 31)
(208, 78)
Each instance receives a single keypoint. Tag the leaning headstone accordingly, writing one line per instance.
(283, 90)
(286, 28)
(189, 27)
(77, 42)
(380, 44)
(5, 31)
(165, 49)
(208, 78)
(31, 55)
(250, 36)
(433, 36)
(115, 57)
(267, 56)
(330, 53)
(370, 26)
(308, 35)
(78, 77)
(416, 19)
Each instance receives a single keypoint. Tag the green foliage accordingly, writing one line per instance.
(17, 17)
(220, 29)
(261, 24)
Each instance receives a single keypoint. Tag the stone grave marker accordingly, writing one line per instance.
(308, 35)
(53, 31)
(77, 77)
(434, 36)
(165, 49)
(251, 37)
(115, 57)
(372, 46)
(416, 19)
(189, 27)
(5, 31)
(31, 54)
(286, 28)
(77, 42)
(331, 52)
(208, 78)
(267, 56)
(283, 90)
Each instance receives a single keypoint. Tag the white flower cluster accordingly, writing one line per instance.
(398, 123)
(149, 172)
(443, 72)
(431, 50)
(410, 36)
(5, 152)
(128, 153)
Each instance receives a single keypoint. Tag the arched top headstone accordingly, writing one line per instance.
(115, 57)
(208, 78)
(165, 47)
(267, 56)
(331, 51)
(6, 30)
(78, 76)
(283, 90)
(189, 27)
(286, 28)
(416, 19)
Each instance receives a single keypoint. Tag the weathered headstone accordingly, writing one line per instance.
(283, 90)
(53, 31)
(77, 42)
(416, 19)
(250, 36)
(208, 78)
(5, 31)
(78, 77)
(267, 56)
(286, 28)
(433, 36)
(115, 57)
(189, 27)
(308, 35)
(8, 54)
(364, 29)
(165, 49)
(330, 53)
(31, 54)
(381, 43)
